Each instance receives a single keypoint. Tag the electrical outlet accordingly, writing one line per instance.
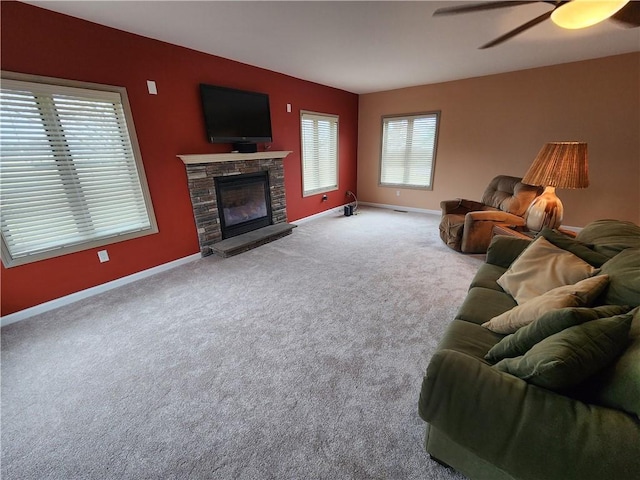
(397, 193)
(103, 256)
(151, 86)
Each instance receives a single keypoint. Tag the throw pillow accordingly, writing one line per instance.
(579, 295)
(578, 248)
(549, 324)
(569, 357)
(624, 276)
(618, 385)
(540, 268)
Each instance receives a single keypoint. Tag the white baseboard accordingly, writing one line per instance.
(338, 210)
(400, 207)
(89, 292)
(317, 215)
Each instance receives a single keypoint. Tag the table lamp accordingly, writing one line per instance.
(558, 165)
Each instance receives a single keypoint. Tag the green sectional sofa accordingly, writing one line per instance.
(559, 398)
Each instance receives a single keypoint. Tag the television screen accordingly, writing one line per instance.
(235, 116)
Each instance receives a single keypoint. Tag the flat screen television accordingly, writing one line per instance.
(235, 116)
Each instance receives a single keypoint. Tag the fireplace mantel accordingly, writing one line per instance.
(231, 157)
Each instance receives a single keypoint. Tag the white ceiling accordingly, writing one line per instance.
(363, 46)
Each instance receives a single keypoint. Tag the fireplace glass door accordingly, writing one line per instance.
(244, 203)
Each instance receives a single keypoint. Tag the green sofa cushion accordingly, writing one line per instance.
(487, 275)
(549, 324)
(504, 250)
(469, 338)
(482, 304)
(567, 358)
(578, 248)
(610, 237)
(624, 278)
(618, 386)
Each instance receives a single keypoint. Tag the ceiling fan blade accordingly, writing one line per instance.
(628, 16)
(478, 7)
(517, 31)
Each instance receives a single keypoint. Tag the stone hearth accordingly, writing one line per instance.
(201, 171)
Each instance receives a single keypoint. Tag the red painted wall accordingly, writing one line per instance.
(37, 41)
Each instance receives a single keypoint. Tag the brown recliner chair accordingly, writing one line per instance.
(467, 225)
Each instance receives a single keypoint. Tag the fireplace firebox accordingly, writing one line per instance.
(244, 203)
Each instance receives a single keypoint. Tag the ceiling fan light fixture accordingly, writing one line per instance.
(584, 13)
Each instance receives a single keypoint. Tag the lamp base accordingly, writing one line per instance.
(545, 211)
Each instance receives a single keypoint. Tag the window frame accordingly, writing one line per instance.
(434, 113)
(7, 259)
(330, 117)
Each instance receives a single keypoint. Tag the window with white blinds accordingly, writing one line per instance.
(70, 173)
(319, 153)
(409, 150)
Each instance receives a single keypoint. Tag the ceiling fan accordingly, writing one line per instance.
(567, 14)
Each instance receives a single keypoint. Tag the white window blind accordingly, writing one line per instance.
(408, 150)
(69, 177)
(319, 153)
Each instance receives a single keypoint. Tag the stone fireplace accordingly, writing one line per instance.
(249, 187)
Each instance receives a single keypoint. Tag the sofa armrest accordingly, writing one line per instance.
(459, 206)
(525, 430)
(504, 250)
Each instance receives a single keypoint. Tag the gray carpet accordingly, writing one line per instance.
(301, 359)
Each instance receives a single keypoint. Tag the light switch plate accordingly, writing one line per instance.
(151, 86)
